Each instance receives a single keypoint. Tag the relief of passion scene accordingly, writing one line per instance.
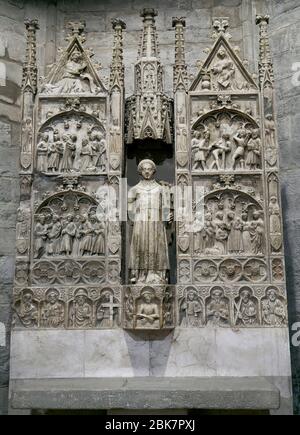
(224, 248)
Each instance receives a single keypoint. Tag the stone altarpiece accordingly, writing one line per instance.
(73, 270)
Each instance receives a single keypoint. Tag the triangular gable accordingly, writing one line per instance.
(241, 79)
(59, 71)
(148, 123)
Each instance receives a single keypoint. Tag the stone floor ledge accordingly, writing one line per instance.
(144, 393)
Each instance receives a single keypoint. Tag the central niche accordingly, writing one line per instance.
(162, 155)
(149, 136)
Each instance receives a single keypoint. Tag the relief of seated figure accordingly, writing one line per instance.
(75, 79)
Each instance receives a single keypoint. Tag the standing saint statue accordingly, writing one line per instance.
(149, 210)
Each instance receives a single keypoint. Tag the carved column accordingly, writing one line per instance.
(117, 98)
(183, 181)
(271, 150)
(24, 216)
(29, 89)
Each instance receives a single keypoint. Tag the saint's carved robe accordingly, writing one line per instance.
(149, 246)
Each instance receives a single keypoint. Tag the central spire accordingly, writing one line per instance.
(149, 111)
(149, 46)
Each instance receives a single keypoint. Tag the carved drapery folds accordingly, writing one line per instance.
(149, 111)
(226, 211)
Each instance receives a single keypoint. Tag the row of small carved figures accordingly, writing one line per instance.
(193, 311)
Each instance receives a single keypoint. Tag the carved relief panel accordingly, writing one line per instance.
(68, 232)
(68, 308)
(149, 307)
(234, 306)
(72, 142)
(232, 243)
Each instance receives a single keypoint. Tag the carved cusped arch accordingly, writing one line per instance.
(67, 115)
(232, 114)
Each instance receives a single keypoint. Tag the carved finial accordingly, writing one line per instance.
(180, 68)
(118, 24)
(76, 28)
(262, 19)
(179, 24)
(220, 25)
(149, 45)
(117, 65)
(149, 14)
(29, 82)
(266, 71)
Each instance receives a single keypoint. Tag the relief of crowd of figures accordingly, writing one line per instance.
(69, 235)
(225, 142)
(73, 145)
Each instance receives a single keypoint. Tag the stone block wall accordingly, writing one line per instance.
(285, 40)
(52, 16)
(11, 56)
